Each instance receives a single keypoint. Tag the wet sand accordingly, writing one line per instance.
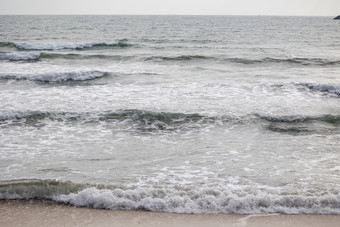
(46, 213)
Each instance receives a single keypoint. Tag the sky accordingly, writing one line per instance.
(173, 7)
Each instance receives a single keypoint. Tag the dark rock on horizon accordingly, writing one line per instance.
(337, 18)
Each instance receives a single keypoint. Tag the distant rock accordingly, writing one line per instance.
(337, 18)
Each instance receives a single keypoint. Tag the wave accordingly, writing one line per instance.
(29, 56)
(330, 119)
(304, 61)
(203, 199)
(297, 61)
(165, 121)
(301, 124)
(7, 44)
(149, 121)
(133, 114)
(248, 61)
(179, 58)
(326, 88)
(44, 55)
(55, 77)
(35, 56)
(73, 46)
(34, 188)
(140, 119)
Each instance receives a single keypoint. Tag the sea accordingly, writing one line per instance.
(180, 114)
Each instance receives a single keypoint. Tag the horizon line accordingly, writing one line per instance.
(263, 15)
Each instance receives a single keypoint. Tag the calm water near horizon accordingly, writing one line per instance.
(185, 114)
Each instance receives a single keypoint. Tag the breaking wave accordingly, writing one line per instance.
(203, 199)
(55, 77)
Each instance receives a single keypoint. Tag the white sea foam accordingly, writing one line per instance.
(204, 200)
(227, 199)
(55, 76)
(20, 56)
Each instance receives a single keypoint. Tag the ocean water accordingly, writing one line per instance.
(185, 114)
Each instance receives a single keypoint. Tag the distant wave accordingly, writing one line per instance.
(298, 61)
(225, 199)
(178, 58)
(50, 55)
(55, 46)
(326, 88)
(29, 56)
(55, 77)
(34, 56)
(248, 61)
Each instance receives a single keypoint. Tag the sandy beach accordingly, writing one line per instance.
(46, 213)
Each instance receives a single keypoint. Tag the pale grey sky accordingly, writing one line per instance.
(182, 7)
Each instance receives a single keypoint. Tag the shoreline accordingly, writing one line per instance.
(48, 213)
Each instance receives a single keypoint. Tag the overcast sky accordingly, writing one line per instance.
(169, 7)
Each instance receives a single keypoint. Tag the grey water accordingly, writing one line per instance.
(186, 114)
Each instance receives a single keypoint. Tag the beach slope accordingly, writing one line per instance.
(46, 213)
